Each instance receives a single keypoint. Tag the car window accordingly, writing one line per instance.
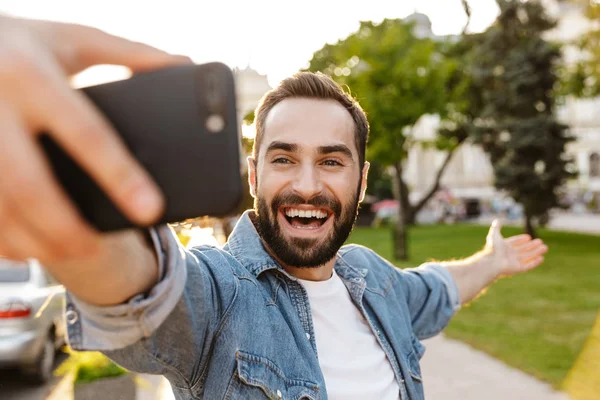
(50, 281)
(14, 271)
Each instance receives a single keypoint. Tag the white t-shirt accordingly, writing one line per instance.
(353, 363)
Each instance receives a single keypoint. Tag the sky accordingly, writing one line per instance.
(275, 38)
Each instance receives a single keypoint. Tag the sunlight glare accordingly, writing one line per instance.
(248, 131)
(100, 74)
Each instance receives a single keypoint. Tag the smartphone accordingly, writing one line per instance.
(181, 124)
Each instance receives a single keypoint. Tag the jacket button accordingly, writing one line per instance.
(279, 395)
(71, 317)
(308, 335)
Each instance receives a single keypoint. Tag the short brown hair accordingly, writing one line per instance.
(314, 86)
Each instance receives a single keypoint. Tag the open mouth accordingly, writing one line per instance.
(306, 219)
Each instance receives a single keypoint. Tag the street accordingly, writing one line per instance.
(14, 387)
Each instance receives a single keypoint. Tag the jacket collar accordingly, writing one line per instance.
(247, 247)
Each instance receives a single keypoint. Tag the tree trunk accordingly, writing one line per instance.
(408, 213)
(434, 188)
(400, 234)
(529, 228)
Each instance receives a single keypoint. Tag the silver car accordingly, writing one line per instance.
(32, 324)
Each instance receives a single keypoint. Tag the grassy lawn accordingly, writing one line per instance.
(537, 322)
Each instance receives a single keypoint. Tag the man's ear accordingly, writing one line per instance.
(363, 181)
(252, 175)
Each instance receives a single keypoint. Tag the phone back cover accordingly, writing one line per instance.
(162, 118)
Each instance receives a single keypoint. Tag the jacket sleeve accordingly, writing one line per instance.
(432, 297)
(168, 330)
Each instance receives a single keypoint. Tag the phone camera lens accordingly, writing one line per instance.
(215, 123)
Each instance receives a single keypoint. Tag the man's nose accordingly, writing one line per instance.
(307, 182)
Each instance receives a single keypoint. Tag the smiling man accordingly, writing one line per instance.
(282, 310)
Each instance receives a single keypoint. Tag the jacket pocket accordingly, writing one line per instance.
(258, 377)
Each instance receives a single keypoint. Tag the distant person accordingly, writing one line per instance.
(283, 310)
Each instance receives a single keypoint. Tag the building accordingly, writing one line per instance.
(582, 115)
(470, 173)
(250, 88)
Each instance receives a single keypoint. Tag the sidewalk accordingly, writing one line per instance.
(579, 223)
(155, 388)
(454, 371)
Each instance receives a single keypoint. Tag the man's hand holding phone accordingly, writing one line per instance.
(38, 218)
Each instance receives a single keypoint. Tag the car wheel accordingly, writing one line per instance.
(41, 371)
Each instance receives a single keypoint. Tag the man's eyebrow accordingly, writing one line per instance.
(336, 148)
(291, 147)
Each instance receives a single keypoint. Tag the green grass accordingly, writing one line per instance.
(537, 322)
(89, 366)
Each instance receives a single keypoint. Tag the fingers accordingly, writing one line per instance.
(96, 147)
(533, 253)
(37, 218)
(532, 263)
(98, 47)
(518, 239)
(17, 241)
(528, 245)
(93, 46)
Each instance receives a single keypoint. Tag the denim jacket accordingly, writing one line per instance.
(230, 323)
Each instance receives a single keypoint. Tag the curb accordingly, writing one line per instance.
(63, 389)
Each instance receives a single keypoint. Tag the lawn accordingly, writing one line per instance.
(537, 322)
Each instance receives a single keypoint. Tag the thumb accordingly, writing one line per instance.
(494, 233)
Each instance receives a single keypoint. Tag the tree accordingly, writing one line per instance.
(380, 181)
(515, 69)
(398, 78)
(583, 78)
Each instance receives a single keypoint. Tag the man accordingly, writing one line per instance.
(281, 311)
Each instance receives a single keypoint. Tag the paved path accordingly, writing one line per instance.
(13, 386)
(580, 223)
(453, 370)
(588, 223)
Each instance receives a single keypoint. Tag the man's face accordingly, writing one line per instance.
(307, 181)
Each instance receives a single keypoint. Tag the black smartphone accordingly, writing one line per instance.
(181, 124)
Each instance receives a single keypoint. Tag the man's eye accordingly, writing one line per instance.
(281, 160)
(331, 163)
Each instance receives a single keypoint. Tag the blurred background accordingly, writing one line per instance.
(479, 109)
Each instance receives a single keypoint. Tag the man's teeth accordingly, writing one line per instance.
(293, 212)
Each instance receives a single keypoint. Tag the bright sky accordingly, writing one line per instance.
(275, 37)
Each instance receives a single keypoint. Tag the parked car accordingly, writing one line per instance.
(32, 326)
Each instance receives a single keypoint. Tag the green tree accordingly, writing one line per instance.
(398, 78)
(380, 182)
(583, 78)
(515, 70)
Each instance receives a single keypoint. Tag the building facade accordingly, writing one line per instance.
(470, 174)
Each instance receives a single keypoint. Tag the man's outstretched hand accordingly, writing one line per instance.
(500, 257)
(515, 254)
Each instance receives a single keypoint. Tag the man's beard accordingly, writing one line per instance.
(305, 252)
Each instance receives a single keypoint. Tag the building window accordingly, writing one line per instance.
(595, 165)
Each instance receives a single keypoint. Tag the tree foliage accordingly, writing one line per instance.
(514, 69)
(397, 78)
